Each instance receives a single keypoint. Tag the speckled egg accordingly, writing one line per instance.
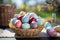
(25, 19)
(51, 32)
(18, 23)
(25, 26)
(33, 24)
(13, 20)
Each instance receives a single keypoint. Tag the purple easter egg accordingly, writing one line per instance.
(34, 24)
(51, 32)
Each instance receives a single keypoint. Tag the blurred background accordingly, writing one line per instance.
(34, 5)
(44, 8)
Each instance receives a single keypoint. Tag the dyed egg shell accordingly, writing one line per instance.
(31, 15)
(28, 15)
(22, 13)
(25, 26)
(32, 19)
(20, 18)
(47, 24)
(33, 25)
(52, 32)
(34, 15)
(18, 23)
(25, 19)
(39, 21)
(13, 20)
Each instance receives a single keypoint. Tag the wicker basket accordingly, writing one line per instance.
(6, 13)
(27, 32)
(57, 29)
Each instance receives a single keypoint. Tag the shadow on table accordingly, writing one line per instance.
(41, 36)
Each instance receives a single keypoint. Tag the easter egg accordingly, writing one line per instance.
(13, 20)
(28, 14)
(25, 26)
(25, 19)
(32, 19)
(33, 25)
(47, 24)
(18, 23)
(20, 18)
(33, 15)
(22, 13)
(39, 21)
(51, 32)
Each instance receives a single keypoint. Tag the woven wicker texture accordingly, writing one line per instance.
(27, 32)
(57, 29)
(6, 13)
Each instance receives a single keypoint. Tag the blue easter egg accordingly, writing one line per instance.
(47, 24)
(39, 21)
(25, 19)
(13, 20)
(25, 26)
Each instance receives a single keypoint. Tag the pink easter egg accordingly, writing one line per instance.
(18, 24)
